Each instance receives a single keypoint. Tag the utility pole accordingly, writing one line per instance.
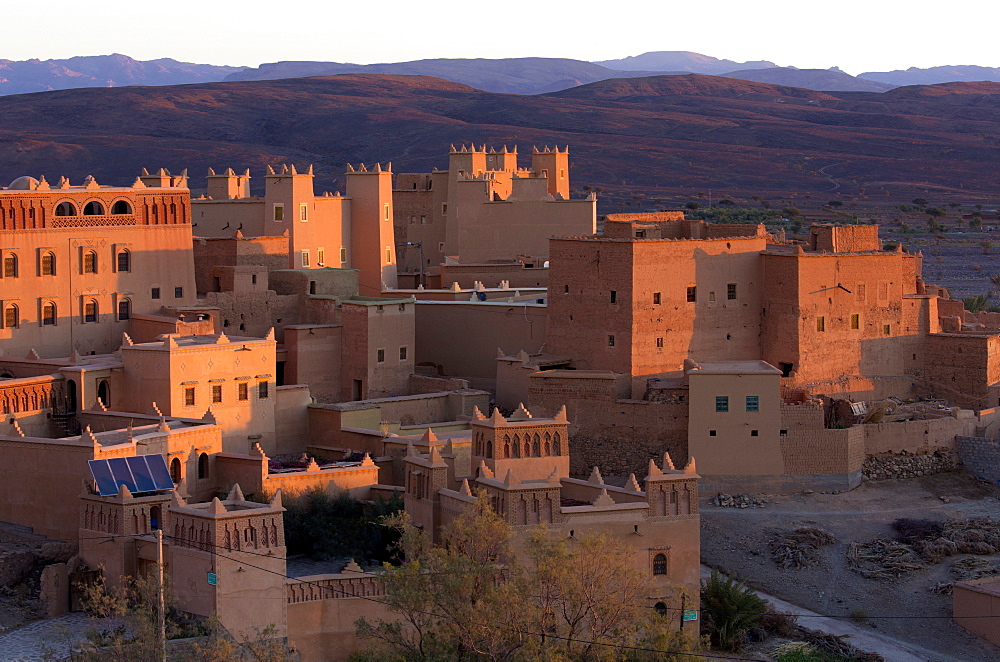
(161, 612)
(683, 604)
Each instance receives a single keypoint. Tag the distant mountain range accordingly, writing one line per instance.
(508, 76)
(18, 77)
(657, 135)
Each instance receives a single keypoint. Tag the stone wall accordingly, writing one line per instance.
(981, 456)
(906, 465)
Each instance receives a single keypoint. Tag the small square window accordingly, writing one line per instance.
(656, 298)
(189, 397)
(659, 342)
(614, 296)
(154, 293)
(242, 391)
(783, 433)
(305, 258)
(279, 212)
(753, 403)
(692, 294)
(754, 433)
(380, 355)
(821, 324)
(402, 353)
(320, 256)
(721, 403)
(731, 291)
(303, 212)
(712, 433)
(263, 390)
(711, 296)
(565, 289)
(216, 392)
(343, 254)
(178, 292)
(855, 321)
(611, 341)
(887, 330)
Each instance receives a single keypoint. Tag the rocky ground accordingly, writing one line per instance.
(914, 607)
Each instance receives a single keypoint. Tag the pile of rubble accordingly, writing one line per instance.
(799, 548)
(908, 465)
(737, 501)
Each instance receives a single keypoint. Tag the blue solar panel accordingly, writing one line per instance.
(106, 485)
(140, 471)
(123, 475)
(158, 469)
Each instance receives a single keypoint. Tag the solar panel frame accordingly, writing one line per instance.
(123, 474)
(140, 472)
(106, 485)
(158, 469)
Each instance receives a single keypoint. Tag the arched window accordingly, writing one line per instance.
(661, 608)
(49, 314)
(121, 207)
(175, 470)
(517, 446)
(203, 466)
(90, 262)
(49, 264)
(65, 209)
(124, 260)
(124, 309)
(104, 393)
(10, 266)
(11, 317)
(556, 446)
(506, 451)
(154, 518)
(660, 564)
(527, 448)
(93, 208)
(536, 447)
(90, 310)
(489, 449)
(548, 449)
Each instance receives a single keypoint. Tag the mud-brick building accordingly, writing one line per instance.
(487, 218)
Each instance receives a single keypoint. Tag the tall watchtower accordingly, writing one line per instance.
(228, 185)
(373, 244)
(532, 447)
(554, 166)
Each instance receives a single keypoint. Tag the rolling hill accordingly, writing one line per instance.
(655, 134)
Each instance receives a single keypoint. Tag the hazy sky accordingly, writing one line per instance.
(874, 35)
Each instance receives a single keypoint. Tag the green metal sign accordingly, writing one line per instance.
(213, 579)
(690, 614)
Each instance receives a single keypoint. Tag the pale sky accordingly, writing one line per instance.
(857, 36)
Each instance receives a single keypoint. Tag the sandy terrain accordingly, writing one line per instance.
(736, 541)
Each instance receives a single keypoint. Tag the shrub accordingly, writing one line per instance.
(730, 609)
(324, 526)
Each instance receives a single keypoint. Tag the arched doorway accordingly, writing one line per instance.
(104, 393)
(70, 396)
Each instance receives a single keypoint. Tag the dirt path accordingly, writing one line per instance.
(736, 541)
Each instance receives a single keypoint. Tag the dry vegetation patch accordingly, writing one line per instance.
(799, 548)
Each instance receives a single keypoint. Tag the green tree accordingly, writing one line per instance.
(692, 205)
(790, 212)
(920, 202)
(472, 598)
(729, 609)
